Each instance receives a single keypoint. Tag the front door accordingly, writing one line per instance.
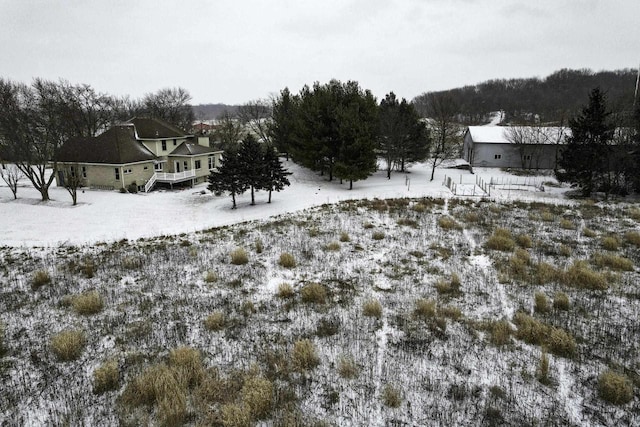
(178, 170)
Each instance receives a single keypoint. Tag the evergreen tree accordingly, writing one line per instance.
(275, 176)
(587, 156)
(318, 134)
(358, 130)
(281, 127)
(229, 177)
(252, 164)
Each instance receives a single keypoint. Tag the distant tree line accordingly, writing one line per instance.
(36, 119)
(553, 98)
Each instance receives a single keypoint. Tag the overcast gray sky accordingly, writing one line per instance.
(232, 51)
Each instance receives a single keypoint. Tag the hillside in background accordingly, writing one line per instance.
(554, 98)
(211, 111)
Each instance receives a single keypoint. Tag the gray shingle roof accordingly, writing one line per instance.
(191, 149)
(148, 128)
(117, 145)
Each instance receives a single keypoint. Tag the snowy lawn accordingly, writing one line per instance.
(108, 215)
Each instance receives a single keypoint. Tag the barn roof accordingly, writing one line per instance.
(500, 134)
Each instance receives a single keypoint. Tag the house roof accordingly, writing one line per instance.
(500, 134)
(150, 128)
(191, 149)
(118, 145)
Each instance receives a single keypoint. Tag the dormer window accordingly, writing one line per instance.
(164, 145)
(175, 142)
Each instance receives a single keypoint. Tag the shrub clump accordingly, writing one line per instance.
(210, 277)
(615, 388)
(561, 301)
(567, 224)
(425, 308)
(632, 237)
(40, 278)
(87, 303)
(215, 321)
(285, 291)
(448, 223)
(452, 287)
(372, 308)
(68, 345)
(257, 394)
(239, 256)
(501, 240)
(304, 356)
(313, 293)
(333, 246)
(344, 237)
(347, 367)
(580, 275)
(500, 332)
(391, 396)
(377, 235)
(541, 303)
(524, 241)
(610, 243)
(532, 331)
(106, 377)
(287, 260)
(613, 262)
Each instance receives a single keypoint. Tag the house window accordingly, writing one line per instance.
(84, 171)
(198, 164)
(527, 157)
(212, 162)
(174, 142)
(185, 165)
(497, 156)
(127, 171)
(146, 167)
(164, 145)
(157, 166)
(117, 173)
(72, 171)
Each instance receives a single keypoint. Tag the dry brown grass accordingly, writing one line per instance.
(610, 243)
(287, 260)
(391, 396)
(632, 237)
(285, 291)
(210, 277)
(304, 355)
(541, 303)
(615, 388)
(257, 394)
(613, 262)
(567, 224)
(561, 301)
(533, 331)
(372, 308)
(68, 345)
(313, 293)
(239, 256)
(448, 223)
(332, 246)
(579, 275)
(215, 321)
(40, 278)
(425, 308)
(501, 240)
(186, 362)
(524, 241)
(87, 303)
(587, 232)
(378, 235)
(106, 377)
(344, 237)
(347, 367)
(500, 332)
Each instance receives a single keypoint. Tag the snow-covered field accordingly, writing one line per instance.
(109, 215)
(433, 347)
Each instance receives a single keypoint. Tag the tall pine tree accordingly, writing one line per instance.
(275, 176)
(251, 162)
(230, 176)
(585, 160)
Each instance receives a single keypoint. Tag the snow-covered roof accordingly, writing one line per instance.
(500, 134)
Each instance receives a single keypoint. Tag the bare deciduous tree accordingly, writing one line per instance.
(229, 131)
(256, 116)
(71, 180)
(11, 175)
(442, 110)
(170, 105)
